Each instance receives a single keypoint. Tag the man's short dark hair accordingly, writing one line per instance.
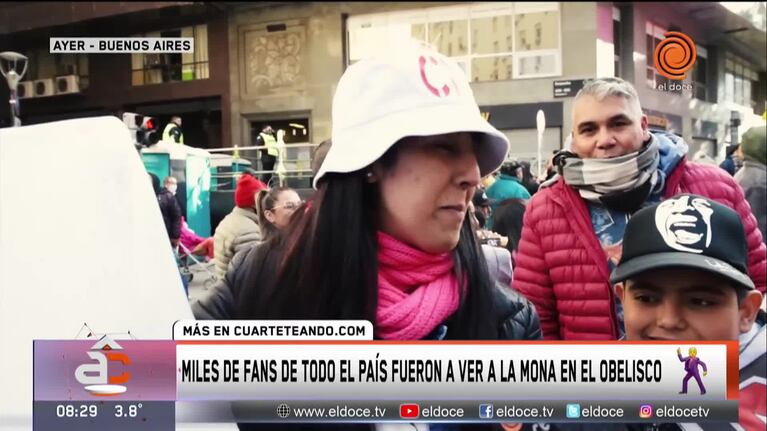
(731, 149)
(510, 168)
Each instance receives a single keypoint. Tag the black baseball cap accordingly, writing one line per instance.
(685, 231)
(480, 198)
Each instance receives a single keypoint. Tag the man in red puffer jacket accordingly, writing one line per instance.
(573, 228)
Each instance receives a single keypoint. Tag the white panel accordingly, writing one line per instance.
(487, 10)
(364, 42)
(531, 7)
(408, 17)
(83, 243)
(605, 59)
(449, 13)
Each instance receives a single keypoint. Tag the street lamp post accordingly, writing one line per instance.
(540, 124)
(8, 64)
(734, 124)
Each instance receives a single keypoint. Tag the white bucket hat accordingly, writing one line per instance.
(413, 91)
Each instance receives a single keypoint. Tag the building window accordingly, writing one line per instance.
(44, 65)
(617, 44)
(700, 78)
(653, 36)
(491, 42)
(160, 68)
(739, 80)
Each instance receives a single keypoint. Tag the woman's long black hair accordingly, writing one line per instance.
(324, 265)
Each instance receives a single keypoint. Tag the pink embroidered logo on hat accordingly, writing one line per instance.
(436, 76)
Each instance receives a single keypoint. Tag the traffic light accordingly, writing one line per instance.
(147, 133)
(145, 128)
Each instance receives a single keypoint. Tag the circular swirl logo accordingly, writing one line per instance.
(675, 55)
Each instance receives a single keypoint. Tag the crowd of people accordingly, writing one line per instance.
(258, 214)
(411, 227)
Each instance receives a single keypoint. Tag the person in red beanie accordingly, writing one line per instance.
(239, 228)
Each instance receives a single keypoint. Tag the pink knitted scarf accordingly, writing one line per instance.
(417, 291)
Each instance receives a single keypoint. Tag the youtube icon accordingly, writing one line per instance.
(409, 411)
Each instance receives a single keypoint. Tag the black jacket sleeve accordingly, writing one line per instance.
(220, 301)
(176, 134)
(259, 142)
(521, 320)
(175, 221)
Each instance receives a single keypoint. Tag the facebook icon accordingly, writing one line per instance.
(485, 411)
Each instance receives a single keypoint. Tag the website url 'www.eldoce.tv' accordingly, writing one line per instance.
(337, 412)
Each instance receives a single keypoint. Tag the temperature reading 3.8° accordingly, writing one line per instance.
(129, 411)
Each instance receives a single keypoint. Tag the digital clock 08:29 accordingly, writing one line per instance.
(77, 411)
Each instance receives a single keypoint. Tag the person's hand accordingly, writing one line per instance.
(174, 243)
(678, 350)
(705, 373)
(200, 250)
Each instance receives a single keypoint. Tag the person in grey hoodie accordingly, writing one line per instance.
(752, 177)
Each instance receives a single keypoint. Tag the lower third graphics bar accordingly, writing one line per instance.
(659, 411)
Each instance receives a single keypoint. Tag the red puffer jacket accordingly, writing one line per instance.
(562, 269)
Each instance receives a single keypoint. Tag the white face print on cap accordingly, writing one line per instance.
(685, 224)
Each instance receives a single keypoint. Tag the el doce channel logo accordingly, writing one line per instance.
(95, 376)
(674, 56)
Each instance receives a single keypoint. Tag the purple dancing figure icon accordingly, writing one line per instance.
(691, 367)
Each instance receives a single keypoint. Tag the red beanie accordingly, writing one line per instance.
(245, 194)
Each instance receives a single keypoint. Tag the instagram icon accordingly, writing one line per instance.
(645, 411)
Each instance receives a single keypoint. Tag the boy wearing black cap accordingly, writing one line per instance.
(479, 211)
(481, 206)
(683, 276)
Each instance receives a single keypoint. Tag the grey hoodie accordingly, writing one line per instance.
(752, 177)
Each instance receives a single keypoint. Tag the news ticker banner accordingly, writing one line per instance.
(121, 45)
(331, 371)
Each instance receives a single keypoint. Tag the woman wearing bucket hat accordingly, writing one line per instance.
(387, 237)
